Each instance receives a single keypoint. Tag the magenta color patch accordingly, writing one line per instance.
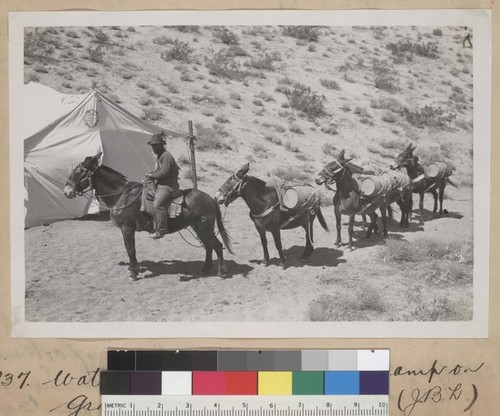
(209, 383)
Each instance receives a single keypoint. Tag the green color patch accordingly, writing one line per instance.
(308, 382)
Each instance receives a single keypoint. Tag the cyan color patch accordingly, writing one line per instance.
(341, 383)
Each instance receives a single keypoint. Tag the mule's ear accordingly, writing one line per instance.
(346, 161)
(342, 154)
(413, 148)
(409, 147)
(97, 156)
(243, 170)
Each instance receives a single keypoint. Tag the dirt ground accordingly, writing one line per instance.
(76, 271)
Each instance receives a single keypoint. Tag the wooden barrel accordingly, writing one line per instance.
(396, 179)
(297, 196)
(438, 170)
(372, 186)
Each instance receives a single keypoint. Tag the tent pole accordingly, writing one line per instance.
(192, 139)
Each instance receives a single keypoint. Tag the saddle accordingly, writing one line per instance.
(174, 205)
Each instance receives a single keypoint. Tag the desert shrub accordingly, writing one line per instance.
(329, 129)
(286, 81)
(101, 38)
(330, 84)
(274, 140)
(183, 160)
(386, 78)
(291, 147)
(220, 64)
(31, 77)
(145, 101)
(387, 103)
(423, 250)
(435, 308)
(408, 48)
(303, 99)
(329, 149)
(223, 119)
(290, 174)
(152, 113)
(180, 51)
(152, 92)
(429, 116)
(162, 40)
(235, 96)
(226, 36)
(309, 33)
(236, 50)
(211, 138)
(142, 84)
(38, 46)
(437, 32)
(353, 307)
(295, 128)
(392, 144)
(264, 62)
(389, 117)
(72, 34)
(96, 54)
(265, 97)
(40, 68)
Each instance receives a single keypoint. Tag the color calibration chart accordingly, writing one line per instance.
(246, 383)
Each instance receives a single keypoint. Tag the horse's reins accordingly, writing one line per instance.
(88, 175)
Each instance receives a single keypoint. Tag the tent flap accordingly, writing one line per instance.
(69, 128)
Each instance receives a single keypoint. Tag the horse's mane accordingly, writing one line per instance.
(257, 181)
(113, 172)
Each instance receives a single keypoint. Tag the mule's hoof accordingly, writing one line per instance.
(133, 277)
(445, 211)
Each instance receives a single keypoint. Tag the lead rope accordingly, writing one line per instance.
(196, 237)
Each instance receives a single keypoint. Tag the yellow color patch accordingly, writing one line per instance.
(275, 383)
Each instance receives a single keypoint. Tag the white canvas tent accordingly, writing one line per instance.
(60, 131)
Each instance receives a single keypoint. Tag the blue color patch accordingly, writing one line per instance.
(341, 382)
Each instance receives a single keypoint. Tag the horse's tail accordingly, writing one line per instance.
(225, 236)
(451, 182)
(321, 219)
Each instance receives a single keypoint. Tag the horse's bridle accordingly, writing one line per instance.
(233, 185)
(331, 176)
(88, 172)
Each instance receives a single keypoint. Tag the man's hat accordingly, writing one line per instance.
(157, 139)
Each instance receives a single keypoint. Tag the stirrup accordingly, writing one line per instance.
(156, 235)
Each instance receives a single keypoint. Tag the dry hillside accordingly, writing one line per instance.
(287, 99)
(283, 98)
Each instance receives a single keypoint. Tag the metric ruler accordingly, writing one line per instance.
(246, 383)
(356, 405)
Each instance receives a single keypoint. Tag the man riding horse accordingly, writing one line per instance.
(166, 178)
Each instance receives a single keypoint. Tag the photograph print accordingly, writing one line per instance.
(185, 177)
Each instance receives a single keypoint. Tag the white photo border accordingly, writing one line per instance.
(479, 20)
